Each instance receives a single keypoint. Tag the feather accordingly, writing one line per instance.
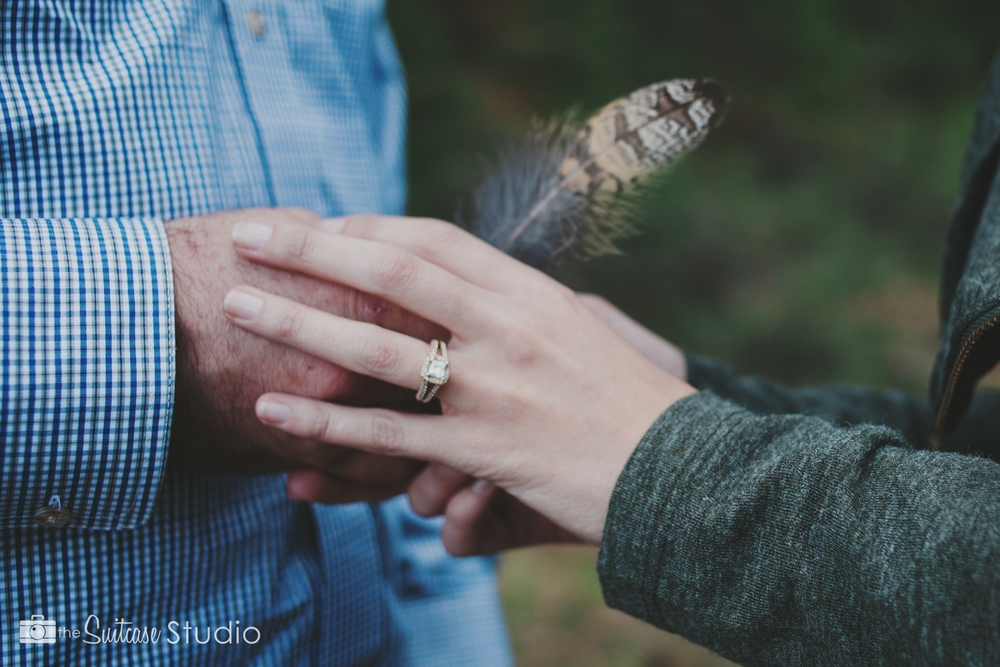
(568, 188)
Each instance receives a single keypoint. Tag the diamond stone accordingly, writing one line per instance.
(437, 371)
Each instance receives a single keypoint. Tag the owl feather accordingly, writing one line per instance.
(569, 188)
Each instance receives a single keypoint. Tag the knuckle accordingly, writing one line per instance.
(323, 427)
(386, 432)
(299, 245)
(397, 271)
(443, 236)
(290, 325)
(522, 337)
(379, 356)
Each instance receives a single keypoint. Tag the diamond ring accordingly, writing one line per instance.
(435, 372)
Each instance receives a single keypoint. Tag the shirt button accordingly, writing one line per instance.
(53, 515)
(255, 23)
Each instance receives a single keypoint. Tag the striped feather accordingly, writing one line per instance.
(567, 188)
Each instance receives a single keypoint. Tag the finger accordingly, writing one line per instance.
(437, 241)
(357, 346)
(481, 519)
(372, 267)
(430, 490)
(469, 528)
(316, 487)
(375, 430)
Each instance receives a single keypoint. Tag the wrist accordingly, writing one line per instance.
(587, 518)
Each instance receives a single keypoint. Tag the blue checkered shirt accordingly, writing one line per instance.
(116, 115)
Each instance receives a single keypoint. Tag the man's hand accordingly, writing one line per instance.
(479, 517)
(222, 370)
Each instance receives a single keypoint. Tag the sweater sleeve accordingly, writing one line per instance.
(842, 405)
(787, 540)
(86, 369)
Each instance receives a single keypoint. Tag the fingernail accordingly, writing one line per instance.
(241, 305)
(332, 225)
(251, 235)
(273, 412)
(482, 486)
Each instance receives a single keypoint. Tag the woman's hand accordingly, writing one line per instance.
(479, 519)
(545, 400)
(665, 354)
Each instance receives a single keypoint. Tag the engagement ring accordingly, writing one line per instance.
(435, 372)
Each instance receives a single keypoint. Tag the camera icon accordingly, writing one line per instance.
(38, 631)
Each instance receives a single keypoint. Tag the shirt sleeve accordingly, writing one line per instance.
(842, 405)
(86, 369)
(787, 540)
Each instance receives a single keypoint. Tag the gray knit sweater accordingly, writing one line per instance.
(789, 540)
(811, 527)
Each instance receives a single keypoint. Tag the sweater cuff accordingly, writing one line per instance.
(649, 531)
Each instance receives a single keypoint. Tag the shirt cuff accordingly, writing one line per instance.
(88, 365)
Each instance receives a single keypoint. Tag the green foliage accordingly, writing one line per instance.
(830, 181)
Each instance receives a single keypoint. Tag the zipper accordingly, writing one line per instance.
(937, 438)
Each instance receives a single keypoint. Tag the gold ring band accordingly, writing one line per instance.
(436, 371)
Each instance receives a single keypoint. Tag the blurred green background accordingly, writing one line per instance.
(802, 240)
